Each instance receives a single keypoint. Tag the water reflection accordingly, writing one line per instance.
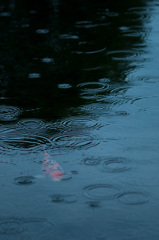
(79, 79)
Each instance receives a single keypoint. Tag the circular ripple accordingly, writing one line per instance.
(101, 191)
(24, 180)
(81, 122)
(93, 87)
(28, 124)
(75, 142)
(23, 143)
(9, 113)
(61, 198)
(91, 161)
(123, 55)
(116, 165)
(133, 198)
(35, 228)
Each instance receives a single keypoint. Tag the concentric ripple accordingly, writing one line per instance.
(33, 228)
(133, 198)
(116, 164)
(74, 141)
(11, 141)
(81, 122)
(101, 191)
(24, 180)
(123, 55)
(9, 113)
(31, 123)
(89, 89)
(61, 198)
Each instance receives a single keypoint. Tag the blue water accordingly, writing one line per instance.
(79, 87)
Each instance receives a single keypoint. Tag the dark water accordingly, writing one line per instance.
(79, 80)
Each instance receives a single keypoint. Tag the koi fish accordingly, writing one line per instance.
(52, 168)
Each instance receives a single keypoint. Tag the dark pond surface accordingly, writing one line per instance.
(79, 120)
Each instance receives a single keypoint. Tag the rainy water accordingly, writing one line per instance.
(79, 129)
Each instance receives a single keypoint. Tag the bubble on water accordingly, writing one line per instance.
(34, 75)
(9, 113)
(62, 198)
(102, 191)
(42, 31)
(25, 180)
(64, 86)
(74, 141)
(133, 198)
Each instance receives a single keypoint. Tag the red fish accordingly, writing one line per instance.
(52, 168)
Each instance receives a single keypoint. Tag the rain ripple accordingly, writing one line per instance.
(102, 191)
(24, 180)
(90, 90)
(74, 141)
(81, 123)
(26, 228)
(90, 52)
(61, 198)
(133, 198)
(10, 141)
(125, 55)
(116, 165)
(9, 113)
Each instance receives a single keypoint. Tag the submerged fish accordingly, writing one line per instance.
(52, 168)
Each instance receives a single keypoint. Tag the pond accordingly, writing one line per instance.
(79, 129)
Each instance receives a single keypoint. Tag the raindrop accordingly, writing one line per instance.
(133, 198)
(5, 14)
(34, 75)
(61, 198)
(104, 80)
(9, 113)
(42, 31)
(68, 36)
(116, 164)
(74, 141)
(24, 180)
(91, 161)
(93, 204)
(101, 191)
(47, 60)
(64, 86)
